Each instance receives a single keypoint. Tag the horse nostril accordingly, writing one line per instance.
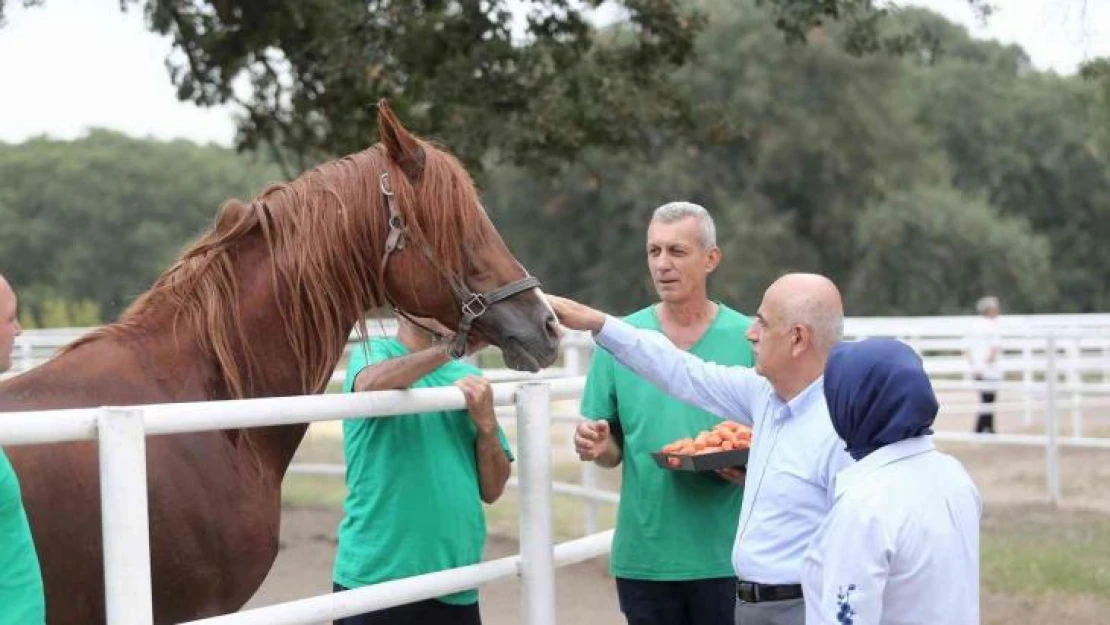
(554, 330)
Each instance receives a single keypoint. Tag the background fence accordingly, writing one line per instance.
(1057, 388)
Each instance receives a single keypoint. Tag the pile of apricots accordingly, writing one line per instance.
(726, 436)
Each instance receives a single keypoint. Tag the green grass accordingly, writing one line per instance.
(1040, 551)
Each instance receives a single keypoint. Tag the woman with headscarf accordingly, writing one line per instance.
(900, 545)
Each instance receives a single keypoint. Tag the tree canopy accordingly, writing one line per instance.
(918, 181)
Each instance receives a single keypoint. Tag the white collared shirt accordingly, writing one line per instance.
(901, 544)
(795, 451)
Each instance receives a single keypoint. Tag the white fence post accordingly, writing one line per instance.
(1027, 379)
(1074, 380)
(125, 524)
(575, 364)
(537, 555)
(1052, 449)
(589, 517)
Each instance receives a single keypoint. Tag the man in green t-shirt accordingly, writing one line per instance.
(21, 596)
(673, 543)
(416, 482)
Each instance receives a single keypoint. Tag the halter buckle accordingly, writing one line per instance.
(475, 306)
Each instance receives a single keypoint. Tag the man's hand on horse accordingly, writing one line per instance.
(576, 316)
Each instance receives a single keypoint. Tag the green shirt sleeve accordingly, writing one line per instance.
(599, 397)
(363, 355)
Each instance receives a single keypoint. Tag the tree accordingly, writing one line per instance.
(97, 219)
(306, 73)
(863, 24)
(1030, 144)
(789, 144)
(936, 251)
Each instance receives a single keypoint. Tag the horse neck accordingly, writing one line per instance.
(274, 370)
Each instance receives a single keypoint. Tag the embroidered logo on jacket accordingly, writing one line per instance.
(844, 612)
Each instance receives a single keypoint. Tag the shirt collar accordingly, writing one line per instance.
(888, 454)
(802, 401)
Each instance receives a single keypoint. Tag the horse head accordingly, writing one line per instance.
(445, 260)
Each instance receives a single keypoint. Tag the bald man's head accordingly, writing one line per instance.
(811, 300)
(799, 320)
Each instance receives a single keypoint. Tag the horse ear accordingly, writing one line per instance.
(401, 146)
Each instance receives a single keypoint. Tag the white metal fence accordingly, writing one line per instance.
(121, 433)
(1050, 369)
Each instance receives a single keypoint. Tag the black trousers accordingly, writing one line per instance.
(985, 422)
(694, 602)
(427, 612)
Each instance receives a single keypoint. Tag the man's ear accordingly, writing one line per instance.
(713, 259)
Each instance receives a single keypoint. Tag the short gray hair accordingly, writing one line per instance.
(674, 211)
(984, 303)
(826, 322)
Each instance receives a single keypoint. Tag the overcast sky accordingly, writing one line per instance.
(75, 64)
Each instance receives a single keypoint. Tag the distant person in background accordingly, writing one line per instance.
(21, 594)
(985, 354)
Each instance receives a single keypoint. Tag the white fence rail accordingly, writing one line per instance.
(1061, 366)
(122, 432)
(1083, 342)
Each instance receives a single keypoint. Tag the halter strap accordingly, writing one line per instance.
(472, 305)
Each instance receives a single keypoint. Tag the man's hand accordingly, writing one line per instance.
(735, 475)
(591, 439)
(576, 316)
(479, 402)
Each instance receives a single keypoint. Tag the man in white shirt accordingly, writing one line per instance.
(985, 355)
(901, 543)
(795, 451)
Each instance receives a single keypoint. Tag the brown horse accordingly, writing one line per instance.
(259, 306)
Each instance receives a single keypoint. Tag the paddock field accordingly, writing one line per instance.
(1040, 563)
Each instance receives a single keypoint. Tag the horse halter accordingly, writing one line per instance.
(472, 305)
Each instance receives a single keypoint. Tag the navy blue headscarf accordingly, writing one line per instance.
(878, 394)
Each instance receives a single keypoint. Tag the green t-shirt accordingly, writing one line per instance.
(21, 595)
(413, 504)
(671, 525)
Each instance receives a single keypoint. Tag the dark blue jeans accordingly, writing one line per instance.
(694, 602)
(428, 612)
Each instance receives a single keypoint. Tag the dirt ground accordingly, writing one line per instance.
(1011, 480)
(584, 591)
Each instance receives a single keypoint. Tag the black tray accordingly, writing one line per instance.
(704, 462)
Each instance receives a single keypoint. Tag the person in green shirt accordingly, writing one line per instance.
(416, 482)
(21, 595)
(673, 542)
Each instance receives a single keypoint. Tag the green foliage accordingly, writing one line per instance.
(938, 250)
(917, 181)
(59, 313)
(1033, 552)
(98, 219)
(1029, 143)
(863, 26)
(454, 70)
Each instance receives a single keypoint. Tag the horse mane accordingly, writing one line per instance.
(324, 235)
